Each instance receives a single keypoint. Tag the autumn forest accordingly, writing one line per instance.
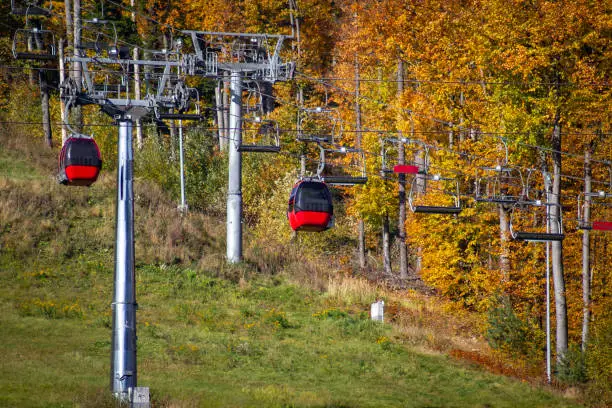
(499, 112)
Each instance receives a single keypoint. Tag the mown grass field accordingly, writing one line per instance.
(209, 335)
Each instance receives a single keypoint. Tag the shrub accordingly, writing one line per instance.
(507, 332)
(572, 369)
(598, 362)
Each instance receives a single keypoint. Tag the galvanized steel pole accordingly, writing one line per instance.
(548, 349)
(234, 188)
(183, 206)
(123, 354)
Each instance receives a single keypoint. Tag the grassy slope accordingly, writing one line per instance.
(210, 335)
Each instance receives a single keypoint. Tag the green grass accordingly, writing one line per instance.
(16, 167)
(209, 335)
(209, 342)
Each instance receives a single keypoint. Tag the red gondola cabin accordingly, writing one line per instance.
(80, 162)
(310, 207)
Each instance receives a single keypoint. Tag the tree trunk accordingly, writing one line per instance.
(62, 73)
(76, 67)
(386, 243)
(360, 222)
(504, 236)
(137, 84)
(421, 185)
(69, 25)
(219, 116)
(44, 100)
(401, 159)
(586, 250)
(557, 246)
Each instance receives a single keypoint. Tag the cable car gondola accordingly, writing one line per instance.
(80, 161)
(310, 206)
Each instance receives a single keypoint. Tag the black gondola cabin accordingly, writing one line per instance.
(310, 206)
(80, 162)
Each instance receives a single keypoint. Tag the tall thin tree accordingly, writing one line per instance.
(44, 100)
(360, 222)
(403, 252)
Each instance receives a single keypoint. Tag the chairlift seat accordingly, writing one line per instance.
(429, 209)
(34, 56)
(538, 236)
(258, 148)
(310, 207)
(80, 162)
(497, 200)
(345, 180)
(181, 116)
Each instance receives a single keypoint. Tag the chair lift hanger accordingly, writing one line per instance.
(420, 187)
(342, 179)
(263, 135)
(33, 43)
(398, 168)
(102, 38)
(31, 8)
(536, 213)
(319, 125)
(455, 208)
(502, 183)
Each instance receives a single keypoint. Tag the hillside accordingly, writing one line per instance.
(456, 157)
(210, 335)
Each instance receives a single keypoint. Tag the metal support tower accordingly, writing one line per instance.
(246, 57)
(121, 102)
(183, 205)
(123, 353)
(234, 193)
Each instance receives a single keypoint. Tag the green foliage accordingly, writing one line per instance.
(598, 358)
(507, 332)
(153, 163)
(50, 309)
(205, 169)
(572, 369)
(206, 172)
